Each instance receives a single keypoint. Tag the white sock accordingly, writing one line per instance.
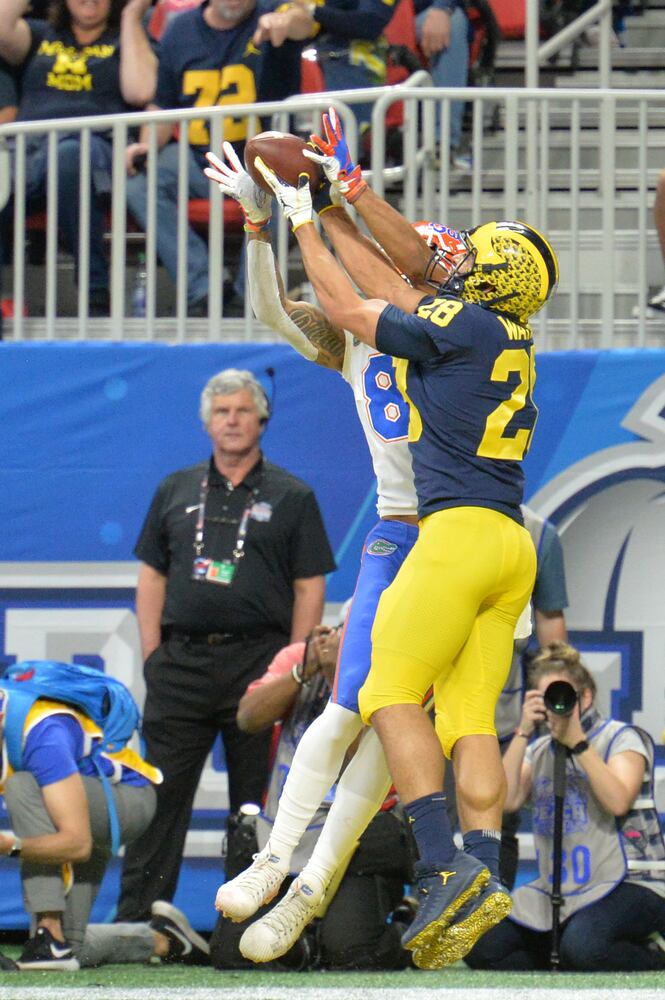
(315, 766)
(358, 797)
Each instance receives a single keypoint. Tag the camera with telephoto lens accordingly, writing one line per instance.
(560, 697)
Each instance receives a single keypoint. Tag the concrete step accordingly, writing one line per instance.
(557, 335)
(640, 79)
(627, 59)
(558, 179)
(627, 153)
(626, 117)
(627, 215)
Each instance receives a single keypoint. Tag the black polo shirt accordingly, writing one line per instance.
(285, 541)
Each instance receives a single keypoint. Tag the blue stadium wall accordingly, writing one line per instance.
(88, 430)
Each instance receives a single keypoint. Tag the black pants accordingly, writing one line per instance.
(355, 932)
(193, 691)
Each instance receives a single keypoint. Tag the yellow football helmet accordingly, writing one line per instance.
(515, 269)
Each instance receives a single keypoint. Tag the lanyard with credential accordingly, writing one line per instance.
(214, 570)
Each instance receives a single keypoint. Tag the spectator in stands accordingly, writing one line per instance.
(442, 29)
(657, 301)
(611, 906)
(88, 59)
(293, 691)
(212, 55)
(350, 45)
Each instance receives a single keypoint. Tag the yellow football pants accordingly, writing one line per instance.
(448, 619)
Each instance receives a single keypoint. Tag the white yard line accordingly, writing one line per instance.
(319, 993)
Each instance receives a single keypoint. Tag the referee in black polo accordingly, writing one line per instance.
(233, 561)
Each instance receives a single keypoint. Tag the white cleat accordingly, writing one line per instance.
(246, 893)
(274, 934)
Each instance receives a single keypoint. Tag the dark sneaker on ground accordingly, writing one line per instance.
(474, 919)
(442, 892)
(186, 945)
(43, 951)
(7, 964)
(657, 300)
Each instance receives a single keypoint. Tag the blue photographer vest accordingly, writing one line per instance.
(599, 850)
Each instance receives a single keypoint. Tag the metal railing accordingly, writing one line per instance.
(17, 135)
(585, 180)
(537, 54)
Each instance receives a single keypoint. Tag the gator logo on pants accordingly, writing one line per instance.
(381, 548)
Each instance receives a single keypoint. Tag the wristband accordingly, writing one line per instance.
(256, 227)
(518, 732)
(580, 747)
(15, 851)
(297, 673)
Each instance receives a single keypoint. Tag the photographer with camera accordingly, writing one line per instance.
(612, 849)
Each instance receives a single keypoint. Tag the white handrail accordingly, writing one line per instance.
(536, 55)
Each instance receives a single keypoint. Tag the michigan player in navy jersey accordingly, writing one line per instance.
(467, 368)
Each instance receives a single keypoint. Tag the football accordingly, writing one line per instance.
(283, 154)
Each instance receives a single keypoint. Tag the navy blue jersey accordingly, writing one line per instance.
(8, 88)
(472, 416)
(62, 79)
(347, 19)
(200, 66)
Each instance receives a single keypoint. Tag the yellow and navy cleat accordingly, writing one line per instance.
(474, 919)
(442, 894)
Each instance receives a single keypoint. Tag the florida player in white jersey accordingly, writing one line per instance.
(467, 369)
(383, 414)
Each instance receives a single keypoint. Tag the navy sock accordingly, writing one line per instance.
(484, 845)
(428, 817)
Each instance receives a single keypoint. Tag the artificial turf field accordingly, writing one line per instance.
(134, 982)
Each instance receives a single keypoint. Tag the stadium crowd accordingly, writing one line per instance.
(68, 59)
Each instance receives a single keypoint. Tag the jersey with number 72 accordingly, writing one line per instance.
(472, 415)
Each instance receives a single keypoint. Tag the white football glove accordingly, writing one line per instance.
(295, 202)
(233, 180)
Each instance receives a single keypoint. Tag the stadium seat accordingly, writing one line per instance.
(163, 11)
(198, 213)
(511, 17)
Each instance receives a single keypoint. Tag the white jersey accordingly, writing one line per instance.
(384, 416)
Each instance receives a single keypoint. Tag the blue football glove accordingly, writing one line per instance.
(335, 158)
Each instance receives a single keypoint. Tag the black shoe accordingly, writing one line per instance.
(185, 944)
(43, 951)
(7, 964)
(99, 302)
